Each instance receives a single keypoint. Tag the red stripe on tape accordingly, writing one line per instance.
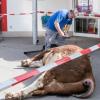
(63, 60)
(22, 13)
(12, 14)
(26, 76)
(41, 12)
(86, 51)
(49, 12)
(25, 13)
(98, 44)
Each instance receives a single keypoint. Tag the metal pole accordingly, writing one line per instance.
(88, 6)
(34, 21)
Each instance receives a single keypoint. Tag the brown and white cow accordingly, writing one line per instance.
(72, 78)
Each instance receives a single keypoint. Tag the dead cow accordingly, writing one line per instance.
(72, 78)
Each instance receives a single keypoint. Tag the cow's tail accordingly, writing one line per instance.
(89, 85)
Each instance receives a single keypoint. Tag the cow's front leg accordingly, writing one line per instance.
(28, 62)
(16, 96)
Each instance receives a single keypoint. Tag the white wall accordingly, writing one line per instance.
(24, 22)
(19, 22)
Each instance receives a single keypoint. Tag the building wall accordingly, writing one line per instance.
(19, 22)
(23, 23)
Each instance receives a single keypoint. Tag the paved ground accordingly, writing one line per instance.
(11, 53)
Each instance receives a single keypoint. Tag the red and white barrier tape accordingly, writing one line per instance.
(49, 12)
(37, 71)
(13, 14)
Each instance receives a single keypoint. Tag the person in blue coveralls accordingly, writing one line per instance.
(58, 24)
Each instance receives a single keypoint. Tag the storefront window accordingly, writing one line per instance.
(84, 5)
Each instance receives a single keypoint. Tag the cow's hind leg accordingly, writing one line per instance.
(55, 87)
(60, 88)
(75, 88)
(64, 88)
(81, 89)
(27, 92)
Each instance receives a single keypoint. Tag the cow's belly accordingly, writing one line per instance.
(69, 72)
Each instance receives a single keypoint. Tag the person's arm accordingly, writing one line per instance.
(58, 28)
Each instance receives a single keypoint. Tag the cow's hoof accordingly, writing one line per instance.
(17, 96)
(11, 97)
(25, 63)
